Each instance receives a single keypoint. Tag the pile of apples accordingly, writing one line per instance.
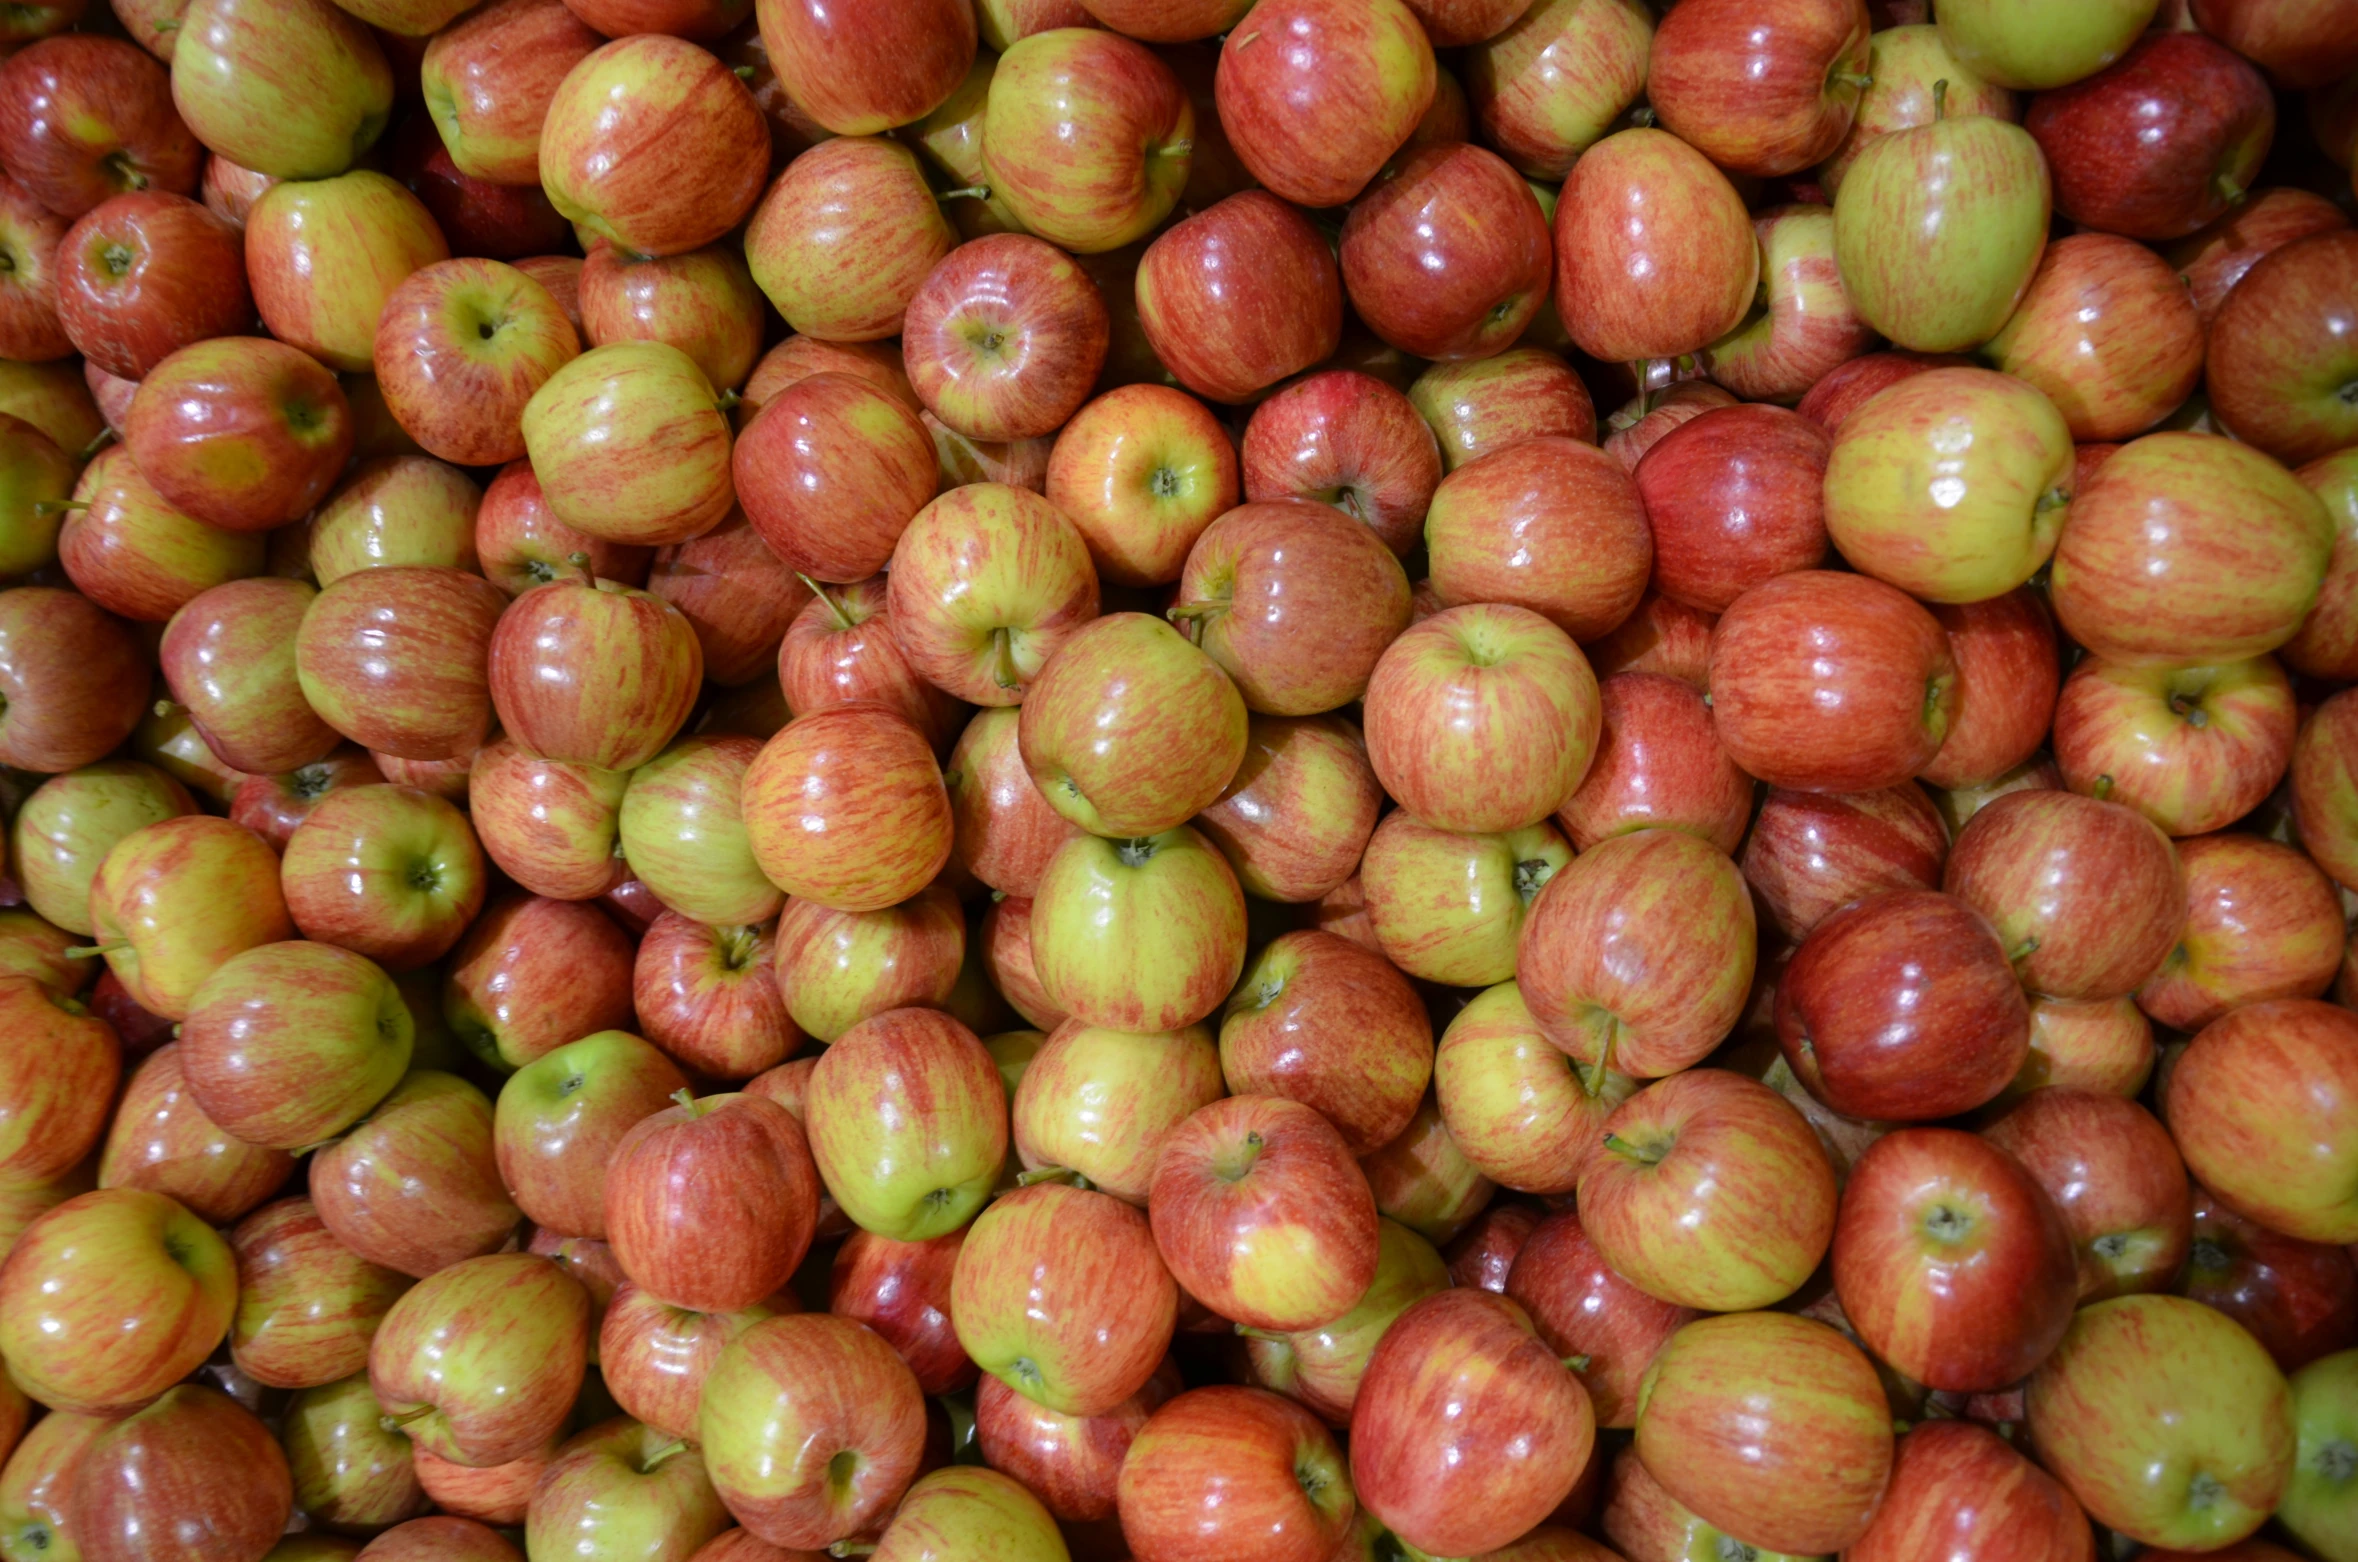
(821, 778)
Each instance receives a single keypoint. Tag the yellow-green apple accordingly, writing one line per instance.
(1659, 765)
(36, 480)
(1349, 440)
(1550, 524)
(653, 144)
(30, 236)
(395, 659)
(1952, 485)
(1296, 817)
(595, 673)
(55, 1086)
(1582, 1309)
(1059, 1293)
(1475, 1476)
(2019, 44)
(1951, 1261)
(1450, 907)
(706, 996)
(1450, 255)
(240, 431)
(1328, 96)
(296, 91)
(845, 237)
(630, 444)
(1473, 408)
(55, 398)
(1130, 730)
(1940, 226)
(2275, 376)
(146, 273)
(532, 974)
(175, 900)
(415, 1187)
(2099, 1044)
(1099, 1104)
(856, 74)
(620, 1488)
(389, 872)
(987, 582)
(2168, 1422)
(1962, 1490)
(2007, 673)
(1520, 1109)
(2261, 922)
(1229, 1470)
(2086, 896)
(973, 1509)
(287, 1045)
(84, 118)
(162, 1142)
(1803, 325)
(2161, 141)
(2189, 548)
(1223, 340)
(350, 1472)
(2327, 644)
(908, 1123)
(1424, 1181)
(811, 1427)
(2317, 1506)
(1073, 1464)
(1325, 1022)
(830, 472)
(1761, 99)
(1645, 418)
(194, 1474)
(2190, 748)
(682, 827)
(1555, 81)
(655, 1357)
(1141, 934)
(737, 595)
(111, 1298)
(703, 302)
(2108, 331)
(560, 1117)
(480, 1362)
(307, 1306)
(461, 349)
(902, 1291)
(1865, 706)
(2274, 1148)
(2115, 1177)
(1295, 601)
(2298, 1299)
(1141, 471)
(1713, 1193)
(1735, 497)
(1006, 831)
(127, 549)
(72, 680)
(63, 831)
(229, 658)
(846, 807)
(1322, 1367)
(1482, 718)
(550, 825)
(710, 1204)
(324, 255)
(1667, 282)
(1005, 338)
(840, 649)
(488, 79)
(837, 968)
(2215, 261)
(1261, 1214)
(1087, 138)
(1796, 1463)
(408, 509)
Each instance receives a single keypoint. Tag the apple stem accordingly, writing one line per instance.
(1643, 117)
(1855, 79)
(1631, 1152)
(972, 192)
(662, 1456)
(1004, 671)
(726, 402)
(2229, 191)
(1576, 1363)
(1041, 1174)
(1940, 100)
(161, 708)
(741, 72)
(842, 619)
(106, 437)
(396, 1423)
(687, 1101)
(59, 506)
(87, 951)
(852, 1548)
(581, 562)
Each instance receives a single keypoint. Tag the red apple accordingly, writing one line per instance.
(162, 1142)
(2115, 1177)
(2006, 687)
(240, 431)
(1550, 524)
(488, 78)
(1659, 765)
(738, 1236)
(2109, 332)
(533, 974)
(30, 235)
(1964, 1490)
(307, 1305)
(2216, 260)
(986, 583)
(461, 348)
(630, 443)
(480, 1362)
(706, 995)
(549, 824)
(846, 807)
(593, 672)
(1669, 280)
(1518, 1107)
(1072, 1463)
(1734, 498)
(2261, 922)
(902, 1291)
(55, 1090)
(1351, 441)
(1316, 95)
(843, 240)
(1766, 100)
(1006, 830)
(1087, 138)
(703, 302)
(145, 274)
(909, 1123)
(1225, 337)
(416, 1188)
(1228, 1471)
(857, 74)
(2254, 1104)
(71, 678)
(84, 117)
(1296, 817)
(1320, 1020)
(652, 143)
(1804, 327)
(194, 1474)
(2276, 372)
(1004, 338)
(389, 872)
(656, 1357)
(1482, 405)
(1450, 256)
(1582, 1309)
(1141, 471)
(830, 471)
(2298, 1299)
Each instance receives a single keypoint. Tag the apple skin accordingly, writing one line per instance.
(1479, 406)
(2203, 118)
(1322, 1368)
(1804, 326)
(788, 1398)
(2108, 330)
(621, 1487)
(1760, 100)
(952, 1509)
(240, 431)
(2215, 261)
(2101, 1045)
(84, 118)
(1449, 907)
(324, 255)
(1005, 338)
(1851, 384)
(146, 273)
(550, 825)
(560, 1117)
(1348, 440)
(401, 509)
(394, 659)
(531, 974)
(846, 807)
(1867, 708)
(1071, 1463)
(1144, 934)
(1296, 817)
(736, 594)
(830, 471)
(1797, 1463)
(1520, 1109)
(2261, 923)
(36, 1491)
(1713, 1193)
(1141, 470)
(2026, 48)
(2327, 644)
(1733, 498)
(124, 1266)
(36, 470)
(1294, 601)
(287, 1045)
(438, 1538)
(229, 657)
(2271, 1151)
(652, 143)
(275, 806)
(896, 1170)
(2192, 748)
(173, 901)
(594, 673)
(1581, 1307)
(2008, 672)
(1320, 1020)
(416, 1187)
(1315, 116)
(162, 1142)
(656, 1357)
(2206, 1472)
(1228, 1471)
(56, 1088)
(987, 582)
(1006, 831)
(1557, 79)
(499, 1495)
(389, 872)
(844, 238)
(703, 302)
(1550, 524)
(1958, 1489)
(837, 968)
(350, 1473)
(1101, 1103)
(1450, 256)
(1649, 1524)
(193, 1475)
(2087, 897)
(132, 553)
(461, 349)
(30, 235)
(706, 996)
(2298, 1299)
(1424, 1181)
(1659, 765)
(2287, 401)
(480, 1363)
(902, 1291)
(73, 678)
(1006, 939)
(713, 1252)
(1664, 285)
(295, 92)
(2322, 797)
(1638, 957)
(65, 829)
(2316, 1506)
(2115, 1177)
(1903, 62)
(630, 444)
(307, 1305)
(1088, 137)
(487, 79)
(1220, 337)
(857, 75)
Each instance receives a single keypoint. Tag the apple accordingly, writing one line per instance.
(1550, 524)
(1005, 337)
(289, 1044)
(1294, 601)
(307, 1306)
(1348, 440)
(630, 444)
(550, 825)
(1713, 1193)
(162, 1142)
(1665, 284)
(1323, 1367)
(349, 1472)
(955, 1508)
(2028, 48)
(1734, 498)
(30, 236)
(2203, 118)
(1582, 1309)
(2268, 1150)
(1449, 256)
(2101, 1045)
(2116, 1179)
(1006, 949)
(650, 142)
(1765, 101)
(1803, 326)
(240, 431)
(1087, 138)
(837, 968)
(898, 1171)
(1006, 831)
(84, 118)
(2287, 400)
(595, 673)
(2205, 1471)
(415, 1187)
(840, 649)
(2215, 260)
(324, 255)
(295, 92)
(718, 1252)
(2327, 641)
(145, 905)
(1327, 98)
(498, 1495)
(1478, 406)
(811, 1427)
(987, 582)
(1518, 1108)
(146, 273)
(1141, 471)
(1228, 1470)
(1959, 1485)
(131, 552)
(64, 830)
(1646, 1522)
(532, 974)
(72, 679)
(439, 1538)
(706, 996)
(844, 238)
(1099, 1104)
(1864, 707)
(36, 1489)
(1222, 338)
(480, 1362)
(1659, 765)
(1449, 907)
(393, 510)
(58, 1086)
(2298, 1299)
(1141, 934)
(621, 1486)
(902, 1291)
(1296, 816)
(1903, 63)
(797, 358)
(389, 872)
(38, 479)
(127, 1267)
(193, 1474)
(2109, 332)
(2191, 748)
(2261, 922)
(703, 302)
(655, 1357)
(1072, 1464)
(856, 75)
(830, 471)
(2316, 1504)
(461, 348)
(1556, 80)
(394, 659)
(560, 1117)
(1424, 1181)
(2007, 672)
(488, 78)
(681, 827)
(1320, 1020)
(846, 806)
(229, 657)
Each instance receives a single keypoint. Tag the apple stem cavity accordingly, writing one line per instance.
(663, 1456)
(1237, 1164)
(687, 1101)
(843, 620)
(1648, 1154)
